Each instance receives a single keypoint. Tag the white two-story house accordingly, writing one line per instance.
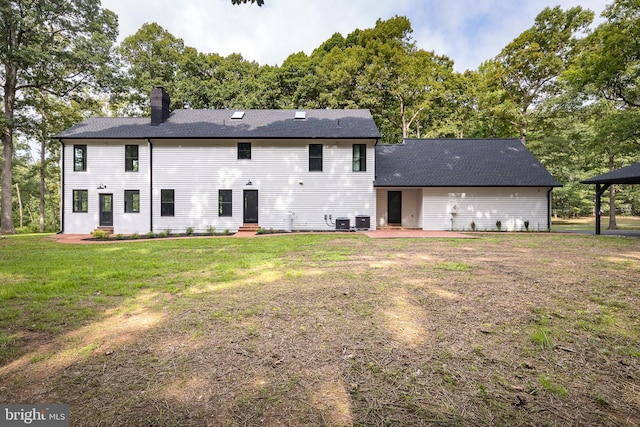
(220, 169)
(313, 170)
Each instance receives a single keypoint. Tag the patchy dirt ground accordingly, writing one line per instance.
(498, 330)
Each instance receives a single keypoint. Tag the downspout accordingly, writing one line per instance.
(150, 185)
(61, 188)
(549, 208)
(373, 184)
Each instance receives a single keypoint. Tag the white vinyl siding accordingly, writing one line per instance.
(105, 167)
(485, 206)
(278, 169)
(431, 208)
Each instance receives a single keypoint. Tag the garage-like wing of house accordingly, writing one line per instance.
(462, 184)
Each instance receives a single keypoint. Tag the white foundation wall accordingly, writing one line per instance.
(485, 206)
(106, 167)
(278, 170)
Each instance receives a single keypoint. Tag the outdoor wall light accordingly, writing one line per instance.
(249, 182)
(102, 187)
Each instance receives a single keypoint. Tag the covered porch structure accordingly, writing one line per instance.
(626, 175)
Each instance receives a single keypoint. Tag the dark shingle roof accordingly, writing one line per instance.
(219, 124)
(460, 163)
(626, 175)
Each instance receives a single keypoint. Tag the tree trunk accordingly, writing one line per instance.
(523, 128)
(11, 79)
(43, 158)
(405, 125)
(6, 224)
(612, 208)
(43, 147)
(612, 197)
(19, 203)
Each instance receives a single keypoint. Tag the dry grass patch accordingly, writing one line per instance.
(527, 329)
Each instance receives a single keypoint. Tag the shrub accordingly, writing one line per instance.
(526, 225)
(100, 234)
(119, 236)
(189, 231)
(28, 229)
(151, 235)
(473, 226)
(211, 230)
(499, 225)
(266, 231)
(135, 236)
(163, 234)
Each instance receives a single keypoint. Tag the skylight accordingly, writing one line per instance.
(301, 115)
(238, 115)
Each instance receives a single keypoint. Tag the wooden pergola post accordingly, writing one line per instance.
(626, 175)
(600, 189)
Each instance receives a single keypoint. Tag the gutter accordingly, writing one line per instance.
(226, 137)
(549, 208)
(61, 188)
(150, 185)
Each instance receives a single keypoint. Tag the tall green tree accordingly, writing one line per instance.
(56, 46)
(529, 66)
(423, 91)
(607, 72)
(49, 115)
(563, 138)
(617, 140)
(297, 81)
(382, 70)
(213, 81)
(610, 62)
(148, 58)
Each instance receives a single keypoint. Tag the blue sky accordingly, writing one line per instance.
(468, 31)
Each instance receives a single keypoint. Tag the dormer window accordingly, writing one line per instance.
(301, 115)
(238, 115)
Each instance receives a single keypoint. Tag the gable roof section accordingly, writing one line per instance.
(460, 163)
(626, 175)
(218, 124)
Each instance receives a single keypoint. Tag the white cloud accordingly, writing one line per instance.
(468, 31)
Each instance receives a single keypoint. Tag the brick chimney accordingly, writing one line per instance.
(160, 103)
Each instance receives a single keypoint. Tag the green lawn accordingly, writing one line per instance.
(588, 223)
(325, 329)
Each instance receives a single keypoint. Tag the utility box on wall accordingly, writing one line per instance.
(343, 224)
(363, 222)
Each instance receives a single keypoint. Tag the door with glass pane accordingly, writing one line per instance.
(106, 210)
